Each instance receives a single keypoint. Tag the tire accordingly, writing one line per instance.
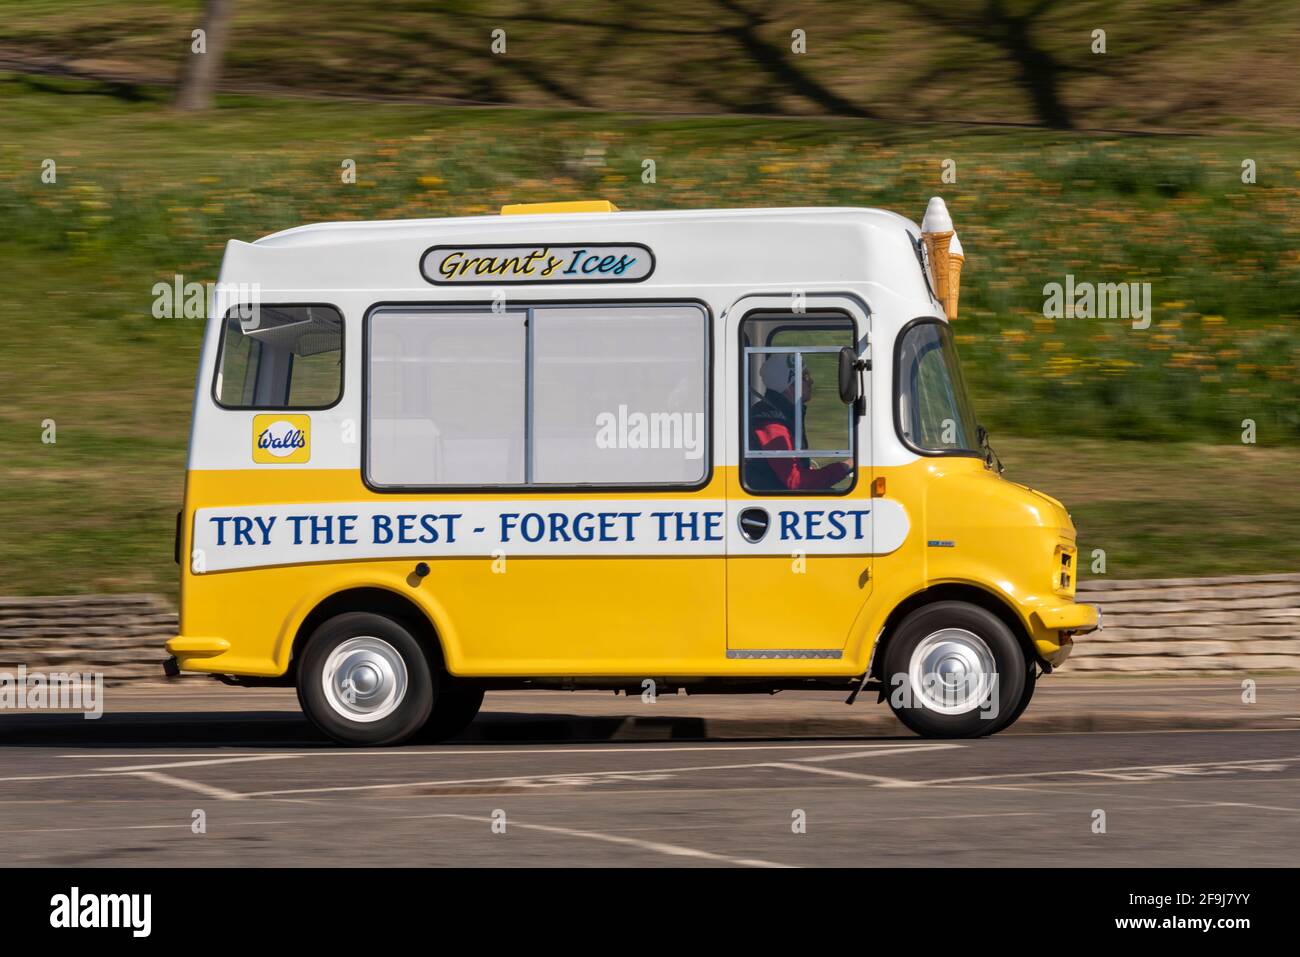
(365, 680)
(955, 670)
(1031, 679)
(454, 709)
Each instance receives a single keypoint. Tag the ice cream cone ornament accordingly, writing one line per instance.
(936, 231)
(956, 257)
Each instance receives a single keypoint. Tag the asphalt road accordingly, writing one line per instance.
(124, 791)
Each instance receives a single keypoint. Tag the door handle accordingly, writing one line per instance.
(753, 524)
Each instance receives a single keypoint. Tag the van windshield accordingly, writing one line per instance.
(934, 410)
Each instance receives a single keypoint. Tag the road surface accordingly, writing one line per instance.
(133, 787)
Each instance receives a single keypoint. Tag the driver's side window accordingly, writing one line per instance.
(796, 434)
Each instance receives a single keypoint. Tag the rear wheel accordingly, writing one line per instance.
(453, 711)
(955, 670)
(365, 680)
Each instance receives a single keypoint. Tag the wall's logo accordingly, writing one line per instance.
(279, 438)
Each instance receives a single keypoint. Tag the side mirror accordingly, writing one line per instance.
(850, 384)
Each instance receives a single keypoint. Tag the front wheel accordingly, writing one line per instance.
(365, 680)
(955, 670)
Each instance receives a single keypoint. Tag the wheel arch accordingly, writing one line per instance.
(954, 591)
(375, 600)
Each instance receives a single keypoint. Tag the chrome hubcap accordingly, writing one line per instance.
(952, 671)
(364, 679)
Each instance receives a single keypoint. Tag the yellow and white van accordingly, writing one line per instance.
(572, 447)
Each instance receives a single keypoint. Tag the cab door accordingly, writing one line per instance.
(799, 507)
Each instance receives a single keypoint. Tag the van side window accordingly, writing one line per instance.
(280, 357)
(590, 394)
(796, 434)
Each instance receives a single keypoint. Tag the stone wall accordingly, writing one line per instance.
(119, 635)
(1192, 625)
(1169, 626)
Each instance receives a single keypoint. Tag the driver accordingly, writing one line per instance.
(771, 429)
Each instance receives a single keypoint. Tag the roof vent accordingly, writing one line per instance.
(581, 206)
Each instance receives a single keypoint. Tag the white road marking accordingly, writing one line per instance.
(466, 751)
(1162, 769)
(901, 749)
(207, 790)
(657, 847)
(580, 777)
(105, 755)
(810, 765)
(836, 773)
(1012, 733)
(198, 764)
(1256, 807)
(143, 827)
(58, 777)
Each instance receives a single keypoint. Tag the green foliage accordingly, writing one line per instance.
(144, 193)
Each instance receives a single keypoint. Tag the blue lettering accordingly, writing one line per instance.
(573, 265)
(532, 527)
(264, 526)
(405, 530)
(347, 528)
(243, 530)
(220, 522)
(322, 527)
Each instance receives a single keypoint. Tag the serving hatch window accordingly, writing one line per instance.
(280, 357)
(591, 394)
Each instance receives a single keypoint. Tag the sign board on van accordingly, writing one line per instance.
(493, 265)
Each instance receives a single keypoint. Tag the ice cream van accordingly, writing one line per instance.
(569, 447)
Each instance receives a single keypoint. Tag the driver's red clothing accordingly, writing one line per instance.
(794, 474)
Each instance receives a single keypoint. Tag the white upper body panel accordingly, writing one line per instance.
(716, 257)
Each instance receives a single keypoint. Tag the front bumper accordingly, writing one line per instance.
(1054, 628)
(1069, 617)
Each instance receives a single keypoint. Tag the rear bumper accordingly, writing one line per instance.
(190, 653)
(187, 646)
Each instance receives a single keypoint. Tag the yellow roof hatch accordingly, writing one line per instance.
(580, 206)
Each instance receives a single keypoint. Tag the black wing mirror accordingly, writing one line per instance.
(851, 369)
(850, 385)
